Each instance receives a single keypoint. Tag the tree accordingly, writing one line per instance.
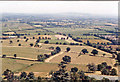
(100, 67)
(31, 75)
(40, 58)
(24, 37)
(113, 72)
(33, 37)
(26, 40)
(105, 79)
(108, 67)
(105, 72)
(51, 47)
(3, 56)
(64, 43)
(53, 53)
(39, 79)
(84, 51)
(38, 33)
(19, 44)
(94, 52)
(18, 40)
(105, 64)
(82, 75)
(38, 41)
(9, 75)
(15, 55)
(23, 75)
(11, 41)
(113, 56)
(118, 57)
(92, 67)
(46, 42)
(104, 55)
(117, 49)
(75, 69)
(66, 59)
(58, 48)
(31, 44)
(57, 43)
(68, 49)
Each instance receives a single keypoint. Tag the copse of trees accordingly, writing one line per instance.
(11, 77)
(106, 70)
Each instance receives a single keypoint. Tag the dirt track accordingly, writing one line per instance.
(48, 59)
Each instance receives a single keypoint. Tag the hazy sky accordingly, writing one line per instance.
(91, 7)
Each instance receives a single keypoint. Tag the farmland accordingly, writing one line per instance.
(40, 45)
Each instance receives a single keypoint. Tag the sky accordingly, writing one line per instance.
(40, 7)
